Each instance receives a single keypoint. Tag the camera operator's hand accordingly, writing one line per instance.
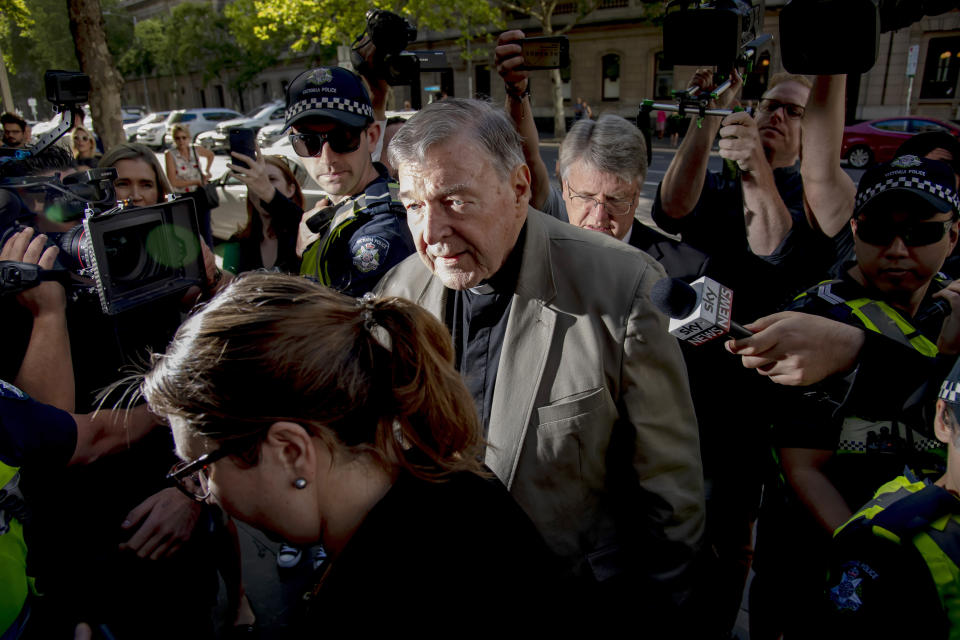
(949, 341)
(740, 141)
(254, 175)
(47, 297)
(166, 520)
(703, 78)
(508, 56)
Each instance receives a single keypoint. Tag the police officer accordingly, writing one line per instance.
(894, 569)
(356, 234)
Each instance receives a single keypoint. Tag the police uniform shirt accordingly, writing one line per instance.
(878, 589)
(478, 321)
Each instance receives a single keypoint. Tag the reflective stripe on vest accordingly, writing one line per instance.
(14, 584)
(879, 317)
(934, 530)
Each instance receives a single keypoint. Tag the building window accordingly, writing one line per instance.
(941, 69)
(611, 77)
(662, 79)
(565, 83)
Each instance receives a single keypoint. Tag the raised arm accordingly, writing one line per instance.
(508, 57)
(683, 181)
(828, 191)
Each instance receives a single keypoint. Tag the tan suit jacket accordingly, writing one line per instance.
(592, 428)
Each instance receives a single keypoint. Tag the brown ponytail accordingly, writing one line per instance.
(375, 375)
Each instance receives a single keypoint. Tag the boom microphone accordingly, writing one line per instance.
(699, 312)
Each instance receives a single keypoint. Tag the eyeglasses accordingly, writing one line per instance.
(191, 477)
(615, 207)
(916, 234)
(793, 111)
(341, 140)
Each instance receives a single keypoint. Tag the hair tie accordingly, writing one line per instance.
(365, 304)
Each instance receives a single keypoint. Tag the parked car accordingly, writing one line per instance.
(265, 114)
(877, 140)
(130, 130)
(199, 120)
(270, 134)
(152, 134)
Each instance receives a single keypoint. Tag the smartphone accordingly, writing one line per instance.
(243, 141)
(545, 52)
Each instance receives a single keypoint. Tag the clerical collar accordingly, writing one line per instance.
(505, 279)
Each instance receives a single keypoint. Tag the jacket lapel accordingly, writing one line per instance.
(530, 329)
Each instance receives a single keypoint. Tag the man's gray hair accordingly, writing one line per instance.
(610, 144)
(452, 118)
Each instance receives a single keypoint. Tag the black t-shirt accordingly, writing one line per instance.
(717, 227)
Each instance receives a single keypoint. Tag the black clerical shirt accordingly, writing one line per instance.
(477, 318)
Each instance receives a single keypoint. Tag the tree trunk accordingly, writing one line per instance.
(559, 118)
(86, 25)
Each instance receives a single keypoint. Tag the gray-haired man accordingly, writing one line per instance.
(581, 389)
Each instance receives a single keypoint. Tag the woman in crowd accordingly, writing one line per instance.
(84, 148)
(185, 175)
(317, 417)
(274, 208)
(139, 176)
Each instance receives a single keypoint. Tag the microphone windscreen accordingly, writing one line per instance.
(674, 297)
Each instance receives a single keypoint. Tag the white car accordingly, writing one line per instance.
(270, 135)
(152, 134)
(130, 130)
(199, 120)
(266, 114)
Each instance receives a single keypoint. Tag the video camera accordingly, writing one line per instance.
(390, 34)
(67, 90)
(127, 255)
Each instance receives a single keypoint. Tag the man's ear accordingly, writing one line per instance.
(373, 134)
(521, 184)
(293, 448)
(944, 423)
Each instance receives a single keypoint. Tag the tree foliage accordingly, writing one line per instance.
(333, 22)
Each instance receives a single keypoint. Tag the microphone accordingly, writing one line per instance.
(699, 312)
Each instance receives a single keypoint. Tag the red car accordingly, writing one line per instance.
(877, 140)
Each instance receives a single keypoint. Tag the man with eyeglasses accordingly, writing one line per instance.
(356, 234)
(834, 453)
(792, 217)
(602, 166)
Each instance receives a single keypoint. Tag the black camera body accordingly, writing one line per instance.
(711, 33)
(390, 34)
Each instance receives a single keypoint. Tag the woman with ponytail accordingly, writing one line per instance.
(321, 418)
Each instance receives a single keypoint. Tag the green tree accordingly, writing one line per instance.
(333, 22)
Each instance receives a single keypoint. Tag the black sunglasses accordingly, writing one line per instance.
(913, 234)
(341, 140)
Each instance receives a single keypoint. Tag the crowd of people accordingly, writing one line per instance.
(449, 381)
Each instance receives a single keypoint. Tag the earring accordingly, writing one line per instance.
(300, 483)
